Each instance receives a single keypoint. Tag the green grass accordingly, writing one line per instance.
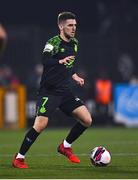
(45, 162)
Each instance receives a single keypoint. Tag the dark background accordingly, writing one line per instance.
(107, 29)
(107, 32)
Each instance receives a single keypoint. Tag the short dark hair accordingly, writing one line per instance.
(63, 16)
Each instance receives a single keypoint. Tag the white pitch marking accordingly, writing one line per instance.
(81, 154)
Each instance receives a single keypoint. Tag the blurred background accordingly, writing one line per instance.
(107, 59)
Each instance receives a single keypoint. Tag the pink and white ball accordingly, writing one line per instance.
(100, 156)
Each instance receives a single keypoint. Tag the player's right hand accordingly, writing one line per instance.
(66, 60)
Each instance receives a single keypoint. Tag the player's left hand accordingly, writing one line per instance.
(3, 39)
(79, 80)
(3, 34)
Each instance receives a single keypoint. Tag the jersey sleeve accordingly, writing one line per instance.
(50, 50)
(1, 45)
(47, 57)
(75, 66)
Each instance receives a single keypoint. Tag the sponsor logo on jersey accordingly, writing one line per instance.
(77, 99)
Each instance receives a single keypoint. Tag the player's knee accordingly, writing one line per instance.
(41, 127)
(40, 123)
(88, 121)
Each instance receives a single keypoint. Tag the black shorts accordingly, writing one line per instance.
(47, 104)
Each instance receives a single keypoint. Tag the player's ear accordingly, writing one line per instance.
(60, 26)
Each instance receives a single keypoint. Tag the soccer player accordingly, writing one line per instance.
(3, 39)
(58, 60)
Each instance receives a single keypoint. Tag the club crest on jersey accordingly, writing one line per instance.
(62, 50)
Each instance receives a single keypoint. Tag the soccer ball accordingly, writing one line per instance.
(100, 156)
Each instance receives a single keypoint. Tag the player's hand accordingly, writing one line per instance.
(3, 39)
(3, 34)
(79, 80)
(66, 60)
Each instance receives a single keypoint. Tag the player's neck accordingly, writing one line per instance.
(65, 38)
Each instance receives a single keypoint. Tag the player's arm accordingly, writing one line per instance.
(75, 76)
(3, 39)
(66, 60)
(50, 59)
(78, 79)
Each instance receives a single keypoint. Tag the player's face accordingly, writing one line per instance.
(69, 28)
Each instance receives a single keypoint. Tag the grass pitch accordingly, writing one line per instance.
(46, 163)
